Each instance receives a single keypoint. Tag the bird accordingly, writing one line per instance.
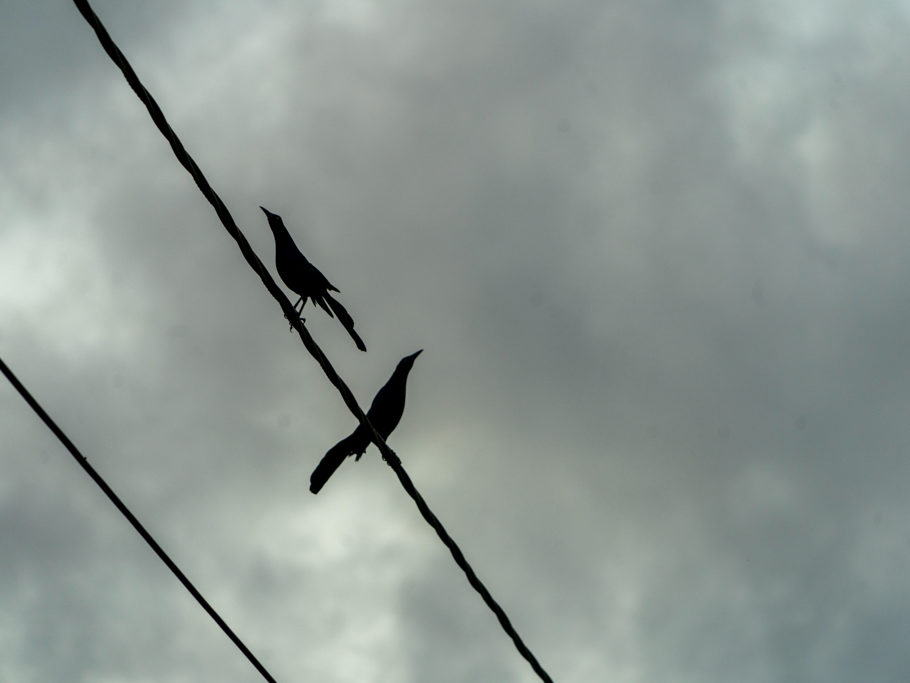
(384, 414)
(305, 279)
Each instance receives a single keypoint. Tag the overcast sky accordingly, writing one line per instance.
(657, 254)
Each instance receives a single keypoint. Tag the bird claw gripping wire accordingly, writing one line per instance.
(291, 325)
(298, 311)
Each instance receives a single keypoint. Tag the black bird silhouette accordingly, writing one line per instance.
(384, 413)
(305, 279)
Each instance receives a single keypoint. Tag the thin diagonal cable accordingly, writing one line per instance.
(473, 579)
(131, 518)
(256, 264)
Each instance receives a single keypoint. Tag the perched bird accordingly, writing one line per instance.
(384, 413)
(305, 279)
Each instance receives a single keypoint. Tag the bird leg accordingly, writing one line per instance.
(300, 302)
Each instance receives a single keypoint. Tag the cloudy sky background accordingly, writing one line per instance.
(656, 254)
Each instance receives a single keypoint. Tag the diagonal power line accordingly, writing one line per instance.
(137, 525)
(228, 222)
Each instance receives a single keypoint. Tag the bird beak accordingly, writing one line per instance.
(266, 211)
(413, 356)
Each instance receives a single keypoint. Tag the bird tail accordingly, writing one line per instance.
(332, 460)
(345, 319)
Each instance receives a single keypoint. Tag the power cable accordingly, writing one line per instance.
(131, 518)
(256, 264)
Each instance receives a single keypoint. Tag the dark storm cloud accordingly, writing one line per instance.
(45, 49)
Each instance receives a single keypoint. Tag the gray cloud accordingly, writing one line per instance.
(655, 256)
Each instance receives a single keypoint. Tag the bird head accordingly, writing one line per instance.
(274, 219)
(406, 363)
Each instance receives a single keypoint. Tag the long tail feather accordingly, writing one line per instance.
(332, 460)
(323, 305)
(345, 319)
